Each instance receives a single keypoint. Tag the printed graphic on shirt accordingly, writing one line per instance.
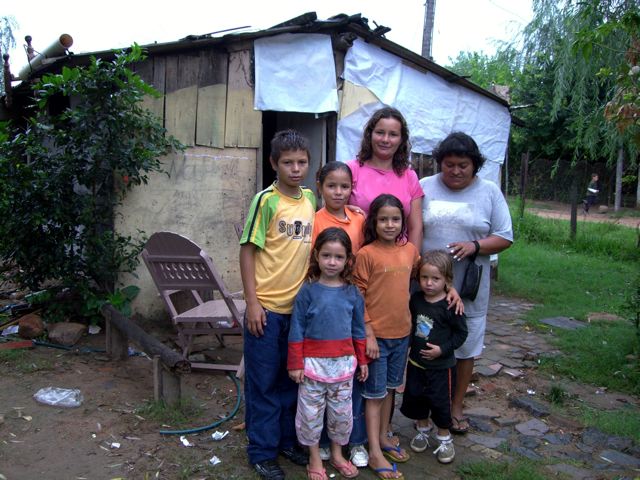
(444, 212)
(397, 269)
(424, 324)
(296, 229)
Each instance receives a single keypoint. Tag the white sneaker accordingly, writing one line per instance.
(445, 451)
(325, 453)
(420, 442)
(359, 456)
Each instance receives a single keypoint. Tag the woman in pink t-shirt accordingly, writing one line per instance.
(382, 166)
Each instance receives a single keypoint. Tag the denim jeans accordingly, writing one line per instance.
(270, 395)
(387, 371)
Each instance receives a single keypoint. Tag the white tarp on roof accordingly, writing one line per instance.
(295, 73)
(433, 107)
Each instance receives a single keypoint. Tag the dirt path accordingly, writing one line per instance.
(562, 211)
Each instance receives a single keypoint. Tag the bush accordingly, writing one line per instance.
(66, 169)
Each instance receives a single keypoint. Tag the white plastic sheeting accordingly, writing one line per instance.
(295, 73)
(433, 107)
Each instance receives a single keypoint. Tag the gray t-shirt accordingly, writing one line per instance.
(464, 215)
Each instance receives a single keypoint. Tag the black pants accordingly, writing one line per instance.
(428, 393)
(590, 200)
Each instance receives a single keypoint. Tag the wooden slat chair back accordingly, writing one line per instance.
(177, 264)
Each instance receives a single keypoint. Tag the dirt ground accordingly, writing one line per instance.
(114, 435)
(47, 442)
(629, 218)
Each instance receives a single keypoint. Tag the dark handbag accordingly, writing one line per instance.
(471, 280)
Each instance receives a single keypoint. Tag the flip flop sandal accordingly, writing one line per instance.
(380, 472)
(316, 474)
(393, 438)
(460, 430)
(394, 454)
(346, 469)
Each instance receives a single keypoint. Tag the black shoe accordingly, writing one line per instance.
(295, 455)
(269, 470)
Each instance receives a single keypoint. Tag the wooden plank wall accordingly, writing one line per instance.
(152, 71)
(181, 94)
(208, 97)
(212, 99)
(243, 123)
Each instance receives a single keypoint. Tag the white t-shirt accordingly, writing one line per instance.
(472, 213)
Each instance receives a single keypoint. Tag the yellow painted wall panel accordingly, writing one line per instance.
(353, 97)
(180, 114)
(243, 123)
(212, 101)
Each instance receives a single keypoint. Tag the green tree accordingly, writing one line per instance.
(64, 173)
(580, 91)
(7, 40)
(503, 68)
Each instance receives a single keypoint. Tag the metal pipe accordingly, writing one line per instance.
(56, 49)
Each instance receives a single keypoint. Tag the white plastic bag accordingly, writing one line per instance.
(59, 397)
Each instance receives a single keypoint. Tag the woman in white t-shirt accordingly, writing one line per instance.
(466, 215)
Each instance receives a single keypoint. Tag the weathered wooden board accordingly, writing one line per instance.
(182, 96)
(152, 71)
(353, 97)
(243, 123)
(212, 99)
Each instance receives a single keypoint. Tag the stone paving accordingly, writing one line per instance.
(509, 418)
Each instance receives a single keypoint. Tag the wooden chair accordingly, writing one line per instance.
(177, 264)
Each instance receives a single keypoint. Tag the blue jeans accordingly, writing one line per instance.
(270, 396)
(359, 431)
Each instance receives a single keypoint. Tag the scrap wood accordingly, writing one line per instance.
(16, 345)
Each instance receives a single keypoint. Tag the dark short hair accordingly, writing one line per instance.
(331, 234)
(288, 140)
(459, 144)
(332, 167)
(384, 200)
(401, 157)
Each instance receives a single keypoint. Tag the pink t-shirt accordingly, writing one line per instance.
(369, 182)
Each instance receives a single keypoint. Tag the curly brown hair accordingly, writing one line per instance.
(401, 158)
(331, 234)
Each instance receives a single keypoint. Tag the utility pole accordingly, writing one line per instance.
(427, 32)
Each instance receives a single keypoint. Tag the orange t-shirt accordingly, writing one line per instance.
(382, 274)
(353, 225)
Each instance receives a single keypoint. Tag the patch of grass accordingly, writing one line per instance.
(538, 205)
(557, 395)
(22, 361)
(183, 413)
(625, 212)
(597, 355)
(563, 283)
(595, 238)
(624, 422)
(520, 469)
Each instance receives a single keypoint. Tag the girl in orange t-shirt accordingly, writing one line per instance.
(335, 184)
(383, 272)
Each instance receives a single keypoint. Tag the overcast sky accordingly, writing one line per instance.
(460, 25)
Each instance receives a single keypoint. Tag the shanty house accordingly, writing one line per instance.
(224, 98)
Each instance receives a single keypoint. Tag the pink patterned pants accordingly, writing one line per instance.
(313, 398)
